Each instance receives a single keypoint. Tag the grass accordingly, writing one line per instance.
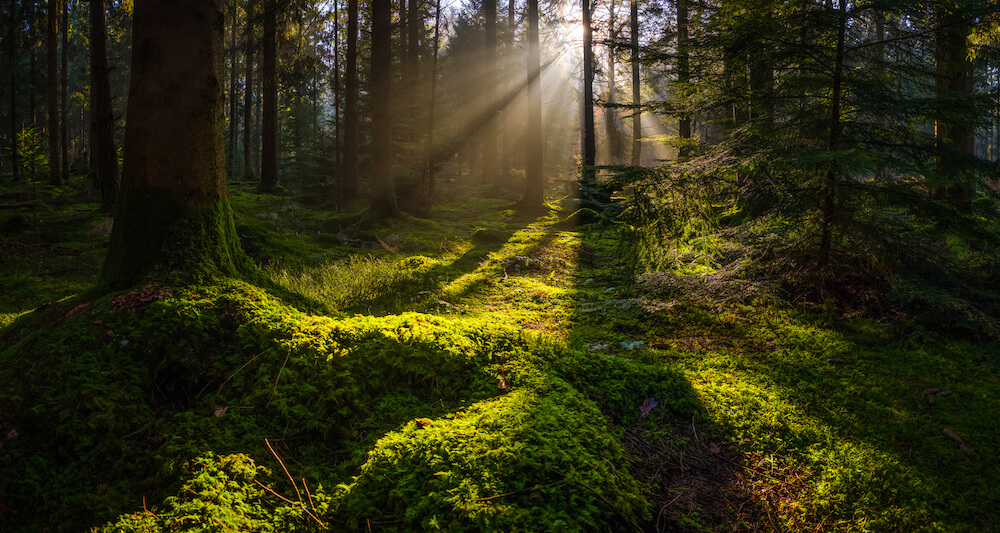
(478, 371)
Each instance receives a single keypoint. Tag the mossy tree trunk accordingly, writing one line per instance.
(173, 214)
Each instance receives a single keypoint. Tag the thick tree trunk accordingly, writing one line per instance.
(55, 165)
(248, 85)
(589, 137)
(489, 137)
(534, 194)
(64, 93)
(173, 216)
(383, 186)
(636, 102)
(352, 133)
(269, 119)
(102, 119)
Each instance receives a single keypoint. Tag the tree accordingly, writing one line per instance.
(534, 193)
(954, 134)
(64, 86)
(383, 199)
(636, 109)
(102, 119)
(352, 133)
(55, 168)
(173, 213)
(12, 46)
(269, 120)
(490, 161)
(248, 85)
(589, 137)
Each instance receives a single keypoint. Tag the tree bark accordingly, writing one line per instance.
(248, 85)
(956, 136)
(637, 111)
(234, 120)
(269, 119)
(352, 133)
(490, 162)
(64, 86)
(534, 194)
(836, 132)
(336, 102)
(683, 68)
(102, 119)
(55, 166)
(589, 137)
(383, 199)
(173, 217)
(430, 106)
(12, 48)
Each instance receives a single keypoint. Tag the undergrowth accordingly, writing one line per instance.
(487, 371)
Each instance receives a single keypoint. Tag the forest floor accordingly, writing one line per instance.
(480, 370)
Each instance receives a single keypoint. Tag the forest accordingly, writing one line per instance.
(466, 265)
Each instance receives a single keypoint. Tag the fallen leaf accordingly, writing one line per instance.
(221, 411)
(423, 422)
(647, 406)
(931, 400)
(502, 383)
(932, 391)
(836, 361)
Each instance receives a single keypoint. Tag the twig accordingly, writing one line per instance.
(309, 495)
(237, 372)
(529, 489)
(147, 510)
(282, 463)
(220, 523)
(287, 355)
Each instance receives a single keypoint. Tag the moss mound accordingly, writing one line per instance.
(420, 420)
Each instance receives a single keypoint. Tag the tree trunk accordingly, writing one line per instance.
(490, 162)
(615, 148)
(683, 68)
(336, 103)
(836, 131)
(269, 119)
(102, 119)
(12, 48)
(636, 102)
(234, 119)
(173, 217)
(956, 136)
(64, 86)
(534, 193)
(248, 85)
(55, 166)
(430, 106)
(589, 137)
(383, 186)
(352, 133)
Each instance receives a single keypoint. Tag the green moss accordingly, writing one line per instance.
(155, 233)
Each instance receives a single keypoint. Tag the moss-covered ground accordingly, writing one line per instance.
(481, 370)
